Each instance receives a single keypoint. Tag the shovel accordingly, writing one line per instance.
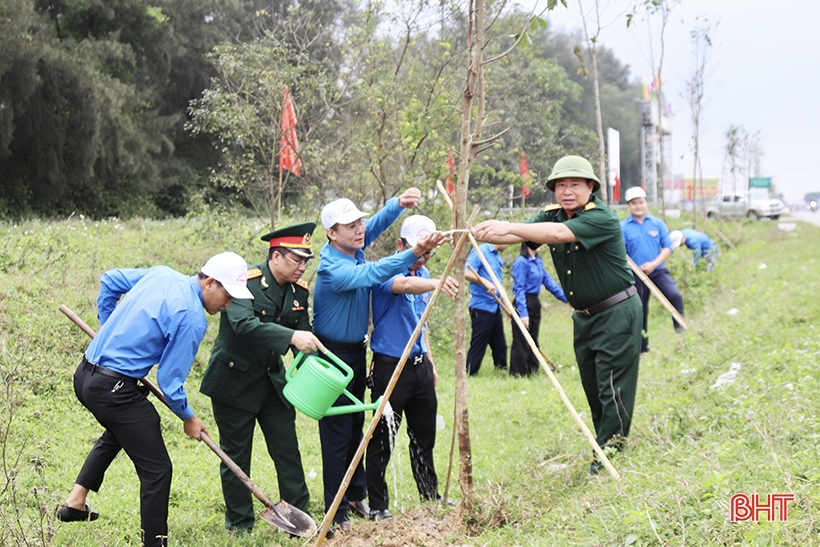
(283, 515)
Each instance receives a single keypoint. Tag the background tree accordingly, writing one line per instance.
(660, 9)
(694, 93)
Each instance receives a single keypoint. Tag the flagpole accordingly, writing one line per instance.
(279, 197)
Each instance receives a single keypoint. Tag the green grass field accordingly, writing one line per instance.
(692, 446)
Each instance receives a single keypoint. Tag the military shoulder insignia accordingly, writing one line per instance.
(302, 283)
(590, 205)
(254, 273)
(552, 207)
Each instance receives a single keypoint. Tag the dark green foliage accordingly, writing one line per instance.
(94, 99)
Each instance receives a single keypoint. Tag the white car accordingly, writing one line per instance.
(736, 206)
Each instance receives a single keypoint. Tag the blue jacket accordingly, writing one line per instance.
(480, 299)
(645, 241)
(395, 317)
(161, 320)
(529, 276)
(341, 294)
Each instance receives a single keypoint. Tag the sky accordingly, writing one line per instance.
(763, 75)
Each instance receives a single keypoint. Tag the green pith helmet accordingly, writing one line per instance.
(572, 167)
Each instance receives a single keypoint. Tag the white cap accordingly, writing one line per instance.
(416, 226)
(231, 270)
(341, 211)
(676, 236)
(635, 192)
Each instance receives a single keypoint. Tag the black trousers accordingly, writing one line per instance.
(522, 360)
(414, 396)
(132, 424)
(669, 288)
(488, 328)
(340, 437)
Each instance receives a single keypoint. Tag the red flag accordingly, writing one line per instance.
(525, 191)
(288, 143)
(451, 162)
(616, 190)
(523, 168)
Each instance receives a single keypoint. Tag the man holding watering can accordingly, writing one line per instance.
(246, 376)
(341, 313)
(398, 305)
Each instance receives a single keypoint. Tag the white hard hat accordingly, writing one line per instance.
(635, 192)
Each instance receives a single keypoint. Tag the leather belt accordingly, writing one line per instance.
(417, 360)
(97, 369)
(332, 344)
(608, 303)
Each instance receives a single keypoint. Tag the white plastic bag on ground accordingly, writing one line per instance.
(727, 377)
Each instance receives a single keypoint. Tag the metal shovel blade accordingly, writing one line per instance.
(289, 519)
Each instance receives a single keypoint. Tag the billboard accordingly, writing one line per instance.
(704, 188)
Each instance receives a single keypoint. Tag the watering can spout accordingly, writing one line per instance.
(314, 384)
(357, 406)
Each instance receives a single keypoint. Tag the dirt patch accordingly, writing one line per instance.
(428, 525)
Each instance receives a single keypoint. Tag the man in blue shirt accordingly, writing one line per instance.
(341, 316)
(485, 313)
(529, 275)
(398, 305)
(160, 320)
(648, 245)
(700, 243)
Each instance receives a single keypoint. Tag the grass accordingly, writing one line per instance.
(691, 448)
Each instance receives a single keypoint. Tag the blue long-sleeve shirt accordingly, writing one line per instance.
(529, 275)
(341, 294)
(161, 320)
(644, 241)
(480, 299)
(699, 242)
(395, 317)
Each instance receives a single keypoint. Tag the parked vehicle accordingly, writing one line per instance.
(737, 206)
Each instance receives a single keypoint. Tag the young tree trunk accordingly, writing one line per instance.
(599, 126)
(473, 98)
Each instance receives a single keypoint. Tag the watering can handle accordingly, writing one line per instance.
(348, 372)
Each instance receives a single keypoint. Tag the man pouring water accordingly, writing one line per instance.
(398, 305)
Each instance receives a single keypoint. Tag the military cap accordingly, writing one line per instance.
(295, 239)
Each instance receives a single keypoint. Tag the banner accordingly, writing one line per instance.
(613, 141)
(288, 143)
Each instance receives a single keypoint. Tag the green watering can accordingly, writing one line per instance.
(313, 385)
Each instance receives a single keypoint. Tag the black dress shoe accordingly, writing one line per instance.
(69, 514)
(595, 468)
(380, 514)
(361, 508)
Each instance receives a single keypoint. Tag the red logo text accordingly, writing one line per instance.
(776, 507)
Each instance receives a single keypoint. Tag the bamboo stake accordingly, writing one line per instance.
(377, 414)
(725, 239)
(656, 292)
(536, 351)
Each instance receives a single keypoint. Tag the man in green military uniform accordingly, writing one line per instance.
(246, 376)
(584, 236)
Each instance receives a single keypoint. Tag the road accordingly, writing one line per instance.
(805, 216)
